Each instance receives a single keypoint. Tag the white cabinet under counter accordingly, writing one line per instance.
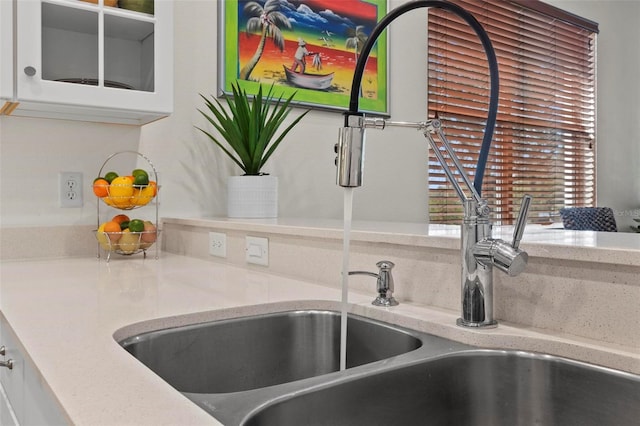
(87, 61)
(26, 399)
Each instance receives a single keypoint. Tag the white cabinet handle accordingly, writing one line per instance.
(30, 71)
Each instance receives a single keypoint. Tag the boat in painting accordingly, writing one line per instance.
(308, 81)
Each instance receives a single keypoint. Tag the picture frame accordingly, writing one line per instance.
(331, 31)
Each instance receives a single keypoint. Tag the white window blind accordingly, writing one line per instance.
(544, 142)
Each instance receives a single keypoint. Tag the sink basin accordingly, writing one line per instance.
(254, 352)
(478, 387)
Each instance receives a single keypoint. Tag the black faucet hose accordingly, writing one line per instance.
(491, 58)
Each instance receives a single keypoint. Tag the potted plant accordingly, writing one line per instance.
(250, 132)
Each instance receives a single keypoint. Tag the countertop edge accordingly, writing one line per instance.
(587, 246)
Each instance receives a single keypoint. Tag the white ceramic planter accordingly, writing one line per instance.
(252, 197)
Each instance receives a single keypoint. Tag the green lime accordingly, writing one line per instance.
(136, 225)
(140, 180)
(124, 225)
(110, 176)
(137, 172)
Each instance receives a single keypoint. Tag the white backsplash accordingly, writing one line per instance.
(589, 292)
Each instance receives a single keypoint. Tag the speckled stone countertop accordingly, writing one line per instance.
(66, 313)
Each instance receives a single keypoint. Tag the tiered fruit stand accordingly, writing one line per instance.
(127, 193)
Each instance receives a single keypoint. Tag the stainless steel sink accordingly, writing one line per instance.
(282, 369)
(477, 387)
(265, 350)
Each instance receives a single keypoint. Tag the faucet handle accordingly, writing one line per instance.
(504, 256)
(521, 222)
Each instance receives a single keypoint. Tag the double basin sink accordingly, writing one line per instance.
(283, 369)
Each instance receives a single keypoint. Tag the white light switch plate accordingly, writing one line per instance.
(257, 250)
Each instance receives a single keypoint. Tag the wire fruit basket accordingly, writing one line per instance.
(126, 192)
(127, 243)
(121, 234)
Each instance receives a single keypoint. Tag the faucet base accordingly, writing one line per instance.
(385, 301)
(462, 323)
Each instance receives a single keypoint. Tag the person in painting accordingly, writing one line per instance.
(299, 57)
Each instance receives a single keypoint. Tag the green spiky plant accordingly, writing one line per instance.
(248, 129)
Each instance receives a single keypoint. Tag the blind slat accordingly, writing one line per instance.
(545, 135)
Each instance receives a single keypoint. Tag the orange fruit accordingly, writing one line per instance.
(119, 218)
(101, 187)
(113, 230)
(154, 188)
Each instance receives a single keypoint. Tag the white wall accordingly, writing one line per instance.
(395, 170)
(618, 103)
(193, 175)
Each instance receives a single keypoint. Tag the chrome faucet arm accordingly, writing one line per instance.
(435, 126)
(384, 282)
(430, 127)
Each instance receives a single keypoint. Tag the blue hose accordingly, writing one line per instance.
(491, 58)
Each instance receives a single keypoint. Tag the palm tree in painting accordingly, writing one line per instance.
(356, 39)
(266, 20)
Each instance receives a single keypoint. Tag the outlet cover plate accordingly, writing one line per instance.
(70, 189)
(218, 244)
(257, 250)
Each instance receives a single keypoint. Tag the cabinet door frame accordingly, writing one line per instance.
(35, 89)
(6, 45)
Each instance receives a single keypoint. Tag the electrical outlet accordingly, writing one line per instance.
(218, 244)
(70, 189)
(257, 250)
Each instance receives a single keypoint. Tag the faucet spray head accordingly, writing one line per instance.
(350, 150)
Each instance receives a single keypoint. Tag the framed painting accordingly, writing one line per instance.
(307, 46)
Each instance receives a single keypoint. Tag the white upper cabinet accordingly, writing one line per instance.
(92, 60)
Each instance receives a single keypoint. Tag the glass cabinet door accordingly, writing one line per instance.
(73, 50)
(128, 53)
(101, 53)
(70, 44)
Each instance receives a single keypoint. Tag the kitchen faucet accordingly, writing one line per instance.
(480, 252)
